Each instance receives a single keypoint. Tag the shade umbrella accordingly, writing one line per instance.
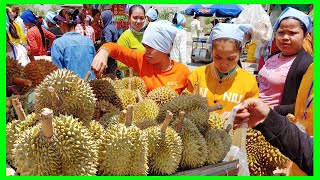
(220, 10)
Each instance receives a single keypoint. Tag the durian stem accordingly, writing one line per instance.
(129, 115)
(8, 102)
(215, 107)
(196, 87)
(180, 122)
(57, 101)
(46, 117)
(166, 122)
(140, 98)
(19, 110)
(130, 84)
(87, 76)
(21, 81)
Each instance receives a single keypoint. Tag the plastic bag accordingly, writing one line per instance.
(238, 148)
(255, 15)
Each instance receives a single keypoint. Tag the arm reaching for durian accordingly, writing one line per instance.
(99, 63)
(278, 131)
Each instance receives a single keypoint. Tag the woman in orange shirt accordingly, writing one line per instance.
(154, 66)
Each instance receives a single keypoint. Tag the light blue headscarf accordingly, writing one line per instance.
(227, 30)
(160, 35)
(291, 12)
(49, 17)
(180, 20)
(152, 13)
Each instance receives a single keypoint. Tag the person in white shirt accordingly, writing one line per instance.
(195, 30)
(179, 49)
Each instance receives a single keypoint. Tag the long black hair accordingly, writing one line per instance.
(39, 25)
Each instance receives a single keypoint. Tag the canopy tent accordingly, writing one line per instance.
(220, 10)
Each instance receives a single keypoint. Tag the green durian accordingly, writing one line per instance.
(161, 95)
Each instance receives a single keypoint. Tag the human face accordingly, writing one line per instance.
(289, 36)
(225, 56)
(137, 19)
(154, 56)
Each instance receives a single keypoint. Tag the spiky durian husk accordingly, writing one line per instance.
(127, 97)
(136, 83)
(199, 117)
(37, 70)
(72, 147)
(145, 123)
(76, 95)
(162, 95)
(104, 90)
(77, 148)
(145, 109)
(164, 150)
(103, 107)
(97, 132)
(216, 121)
(262, 157)
(36, 155)
(195, 150)
(112, 118)
(219, 143)
(124, 151)
(13, 69)
(186, 103)
(13, 131)
(110, 75)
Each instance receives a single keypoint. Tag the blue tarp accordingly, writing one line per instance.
(220, 10)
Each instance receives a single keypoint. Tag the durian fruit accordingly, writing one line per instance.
(145, 123)
(145, 108)
(200, 118)
(112, 118)
(37, 70)
(127, 97)
(262, 157)
(104, 90)
(216, 121)
(17, 127)
(66, 93)
(219, 143)
(15, 76)
(35, 152)
(187, 103)
(124, 150)
(103, 107)
(135, 83)
(195, 150)
(164, 148)
(162, 95)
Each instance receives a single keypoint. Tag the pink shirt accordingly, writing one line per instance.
(272, 78)
(89, 32)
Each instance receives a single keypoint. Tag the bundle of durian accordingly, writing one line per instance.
(164, 148)
(195, 150)
(262, 157)
(58, 146)
(161, 95)
(195, 107)
(37, 70)
(66, 93)
(15, 76)
(16, 127)
(124, 150)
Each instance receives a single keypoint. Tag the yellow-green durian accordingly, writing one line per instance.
(136, 83)
(162, 95)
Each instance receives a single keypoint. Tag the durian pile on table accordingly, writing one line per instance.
(114, 127)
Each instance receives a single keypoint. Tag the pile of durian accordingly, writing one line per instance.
(112, 127)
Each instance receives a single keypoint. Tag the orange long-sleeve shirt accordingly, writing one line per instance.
(175, 78)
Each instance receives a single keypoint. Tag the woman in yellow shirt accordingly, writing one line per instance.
(222, 81)
(16, 33)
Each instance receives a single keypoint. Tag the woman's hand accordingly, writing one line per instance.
(253, 111)
(99, 63)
